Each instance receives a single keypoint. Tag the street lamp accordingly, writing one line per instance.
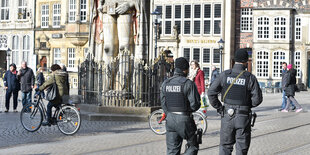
(157, 15)
(221, 47)
(8, 56)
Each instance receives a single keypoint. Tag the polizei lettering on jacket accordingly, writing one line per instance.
(173, 89)
(239, 81)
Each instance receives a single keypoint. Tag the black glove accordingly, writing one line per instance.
(220, 111)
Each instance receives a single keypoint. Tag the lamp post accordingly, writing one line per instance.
(221, 47)
(8, 57)
(157, 15)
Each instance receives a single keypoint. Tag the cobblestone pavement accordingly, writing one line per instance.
(274, 133)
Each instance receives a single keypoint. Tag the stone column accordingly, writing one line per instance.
(229, 35)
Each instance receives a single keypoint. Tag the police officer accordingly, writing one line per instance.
(179, 98)
(242, 95)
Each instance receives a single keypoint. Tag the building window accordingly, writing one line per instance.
(196, 54)
(26, 48)
(197, 18)
(278, 59)
(186, 53)
(168, 17)
(72, 10)
(57, 56)
(177, 17)
(159, 9)
(297, 62)
(75, 82)
(22, 11)
(216, 56)
(56, 15)
(5, 11)
(262, 64)
(263, 28)
(298, 28)
(206, 55)
(279, 28)
(207, 19)
(217, 18)
(15, 49)
(71, 58)
(187, 19)
(206, 71)
(44, 16)
(246, 20)
(83, 10)
(3, 41)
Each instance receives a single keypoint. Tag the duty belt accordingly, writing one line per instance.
(182, 113)
(236, 109)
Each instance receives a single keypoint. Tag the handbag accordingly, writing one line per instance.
(51, 91)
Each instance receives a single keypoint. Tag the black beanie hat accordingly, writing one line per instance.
(181, 63)
(241, 55)
(14, 66)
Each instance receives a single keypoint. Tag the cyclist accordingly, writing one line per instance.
(60, 77)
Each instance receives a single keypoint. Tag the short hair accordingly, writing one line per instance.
(55, 67)
(13, 65)
(284, 63)
(24, 62)
(196, 63)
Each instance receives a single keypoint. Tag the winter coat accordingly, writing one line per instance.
(200, 81)
(61, 82)
(214, 75)
(11, 81)
(26, 79)
(284, 78)
(290, 83)
(40, 78)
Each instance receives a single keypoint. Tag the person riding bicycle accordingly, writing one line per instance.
(60, 77)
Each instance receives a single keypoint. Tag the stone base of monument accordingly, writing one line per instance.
(100, 113)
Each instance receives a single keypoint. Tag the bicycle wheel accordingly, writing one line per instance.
(31, 117)
(157, 123)
(68, 120)
(200, 122)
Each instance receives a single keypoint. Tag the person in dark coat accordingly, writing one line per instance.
(214, 75)
(40, 80)
(26, 77)
(290, 87)
(12, 86)
(283, 83)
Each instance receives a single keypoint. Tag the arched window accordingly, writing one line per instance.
(263, 28)
(15, 49)
(262, 64)
(279, 28)
(26, 48)
(278, 59)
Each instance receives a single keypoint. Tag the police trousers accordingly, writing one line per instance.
(235, 129)
(181, 127)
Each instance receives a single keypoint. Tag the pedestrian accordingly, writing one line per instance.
(40, 80)
(197, 75)
(214, 75)
(290, 88)
(64, 68)
(27, 81)
(240, 92)
(60, 77)
(179, 98)
(12, 86)
(283, 83)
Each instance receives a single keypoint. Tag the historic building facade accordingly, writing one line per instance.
(62, 29)
(16, 33)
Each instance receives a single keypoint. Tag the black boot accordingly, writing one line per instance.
(46, 123)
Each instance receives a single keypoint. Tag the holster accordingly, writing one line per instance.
(253, 119)
(199, 136)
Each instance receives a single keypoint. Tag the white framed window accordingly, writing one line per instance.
(246, 20)
(278, 59)
(262, 64)
(263, 28)
(3, 41)
(22, 9)
(83, 10)
(71, 58)
(44, 16)
(187, 19)
(56, 15)
(216, 56)
(72, 10)
(186, 54)
(160, 10)
(5, 10)
(196, 54)
(75, 82)
(298, 29)
(26, 48)
(207, 19)
(168, 19)
(177, 17)
(297, 62)
(57, 56)
(197, 19)
(206, 55)
(217, 19)
(279, 28)
(206, 71)
(15, 49)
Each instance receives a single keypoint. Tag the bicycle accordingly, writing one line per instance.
(66, 117)
(157, 120)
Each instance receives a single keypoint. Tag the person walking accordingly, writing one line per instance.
(27, 81)
(240, 92)
(60, 77)
(214, 75)
(290, 87)
(197, 75)
(179, 98)
(283, 83)
(40, 80)
(12, 86)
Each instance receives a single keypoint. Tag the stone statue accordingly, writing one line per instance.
(175, 32)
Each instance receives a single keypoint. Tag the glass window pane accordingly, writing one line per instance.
(207, 11)
(187, 12)
(186, 53)
(177, 13)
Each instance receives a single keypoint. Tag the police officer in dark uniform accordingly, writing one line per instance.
(179, 98)
(243, 94)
